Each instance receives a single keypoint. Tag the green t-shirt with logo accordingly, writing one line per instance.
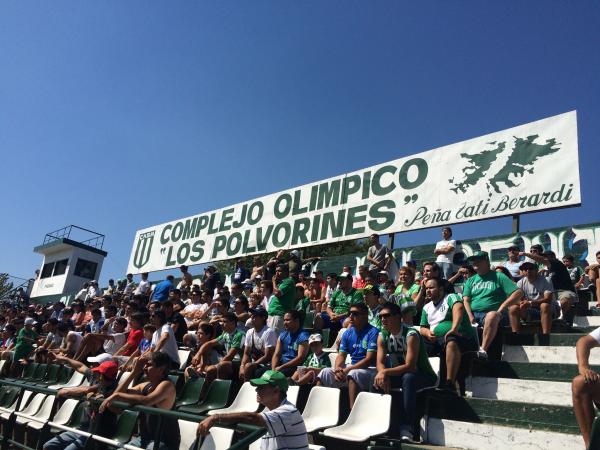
(303, 306)
(317, 361)
(489, 291)
(396, 347)
(439, 317)
(286, 301)
(232, 340)
(374, 318)
(340, 303)
(405, 297)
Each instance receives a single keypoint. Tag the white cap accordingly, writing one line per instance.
(30, 321)
(102, 357)
(315, 338)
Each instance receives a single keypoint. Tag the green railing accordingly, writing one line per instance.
(251, 433)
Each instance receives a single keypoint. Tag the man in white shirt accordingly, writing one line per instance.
(163, 339)
(586, 386)
(259, 344)
(195, 308)
(444, 250)
(284, 423)
(82, 294)
(144, 287)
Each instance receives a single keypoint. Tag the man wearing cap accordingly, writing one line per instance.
(24, 344)
(284, 423)
(360, 342)
(103, 382)
(259, 345)
(339, 305)
(446, 330)
(487, 296)
(284, 297)
(371, 296)
(559, 276)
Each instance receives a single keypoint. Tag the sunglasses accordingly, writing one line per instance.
(356, 313)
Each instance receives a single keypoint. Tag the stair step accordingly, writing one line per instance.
(491, 437)
(527, 371)
(556, 339)
(548, 355)
(513, 414)
(586, 321)
(526, 391)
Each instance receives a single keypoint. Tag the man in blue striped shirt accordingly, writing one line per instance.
(284, 424)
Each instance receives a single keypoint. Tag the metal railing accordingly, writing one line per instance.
(96, 241)
(251, 433)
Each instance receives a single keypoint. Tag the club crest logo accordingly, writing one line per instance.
(143, 249)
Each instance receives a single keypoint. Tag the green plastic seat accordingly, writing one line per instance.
(325, 336)
(309, 319)
(190, 393)
(216, 398)
(125, 426)
(51, 375)
(27, 374)
(64, 375)
(40, 373)
(9, 397)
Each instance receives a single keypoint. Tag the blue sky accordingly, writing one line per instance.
(116, 116)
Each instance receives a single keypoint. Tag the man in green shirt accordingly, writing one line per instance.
(446, 330)
(340, 303)
(402, 362)
(25, 340)
(230, 343)
(371, 295)
(488, 296)
(284, 297)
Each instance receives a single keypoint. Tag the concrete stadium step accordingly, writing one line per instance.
(476, 436)
(547, 355)
(527, 371)
(556, 339)
(586, 321)
(515, 390)
(529, 416)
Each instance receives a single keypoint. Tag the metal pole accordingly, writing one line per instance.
(516, 223)
(390, 242)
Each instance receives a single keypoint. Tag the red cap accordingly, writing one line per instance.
(108, 368)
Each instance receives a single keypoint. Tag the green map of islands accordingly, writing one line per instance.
(524, 154)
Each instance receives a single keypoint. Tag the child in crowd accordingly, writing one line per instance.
(316, 360)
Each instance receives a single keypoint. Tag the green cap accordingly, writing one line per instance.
(478, 256)
(272, 377)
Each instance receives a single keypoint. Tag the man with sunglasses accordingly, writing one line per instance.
(513, 263)
(537, 302)
(430, 270)
(402, 362)
(284, 423)
(360, 342)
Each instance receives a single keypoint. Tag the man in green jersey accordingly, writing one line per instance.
(487, 297)
(402, 362)
(340, 303)
(231, 343)
(284, 297)
(371, 295)
(446, 329)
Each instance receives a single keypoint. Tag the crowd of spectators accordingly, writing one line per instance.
(271, 320)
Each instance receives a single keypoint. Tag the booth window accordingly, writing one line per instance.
(47, 270)
(85, 269)
(60, 267)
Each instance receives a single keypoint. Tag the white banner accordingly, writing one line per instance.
(527, 168)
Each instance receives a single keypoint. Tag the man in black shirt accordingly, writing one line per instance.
(176, 321)
(558, 275)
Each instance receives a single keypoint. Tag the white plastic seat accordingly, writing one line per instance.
(322, 408)
(292, 394)
(6, 412)
(2, 363)
(123, 377)
(217, 439)
(75, 381)
(369, 417)
(245, 401)
(41, 416)
(187, 430)
(61, 417)
(183, 358)
(32, 408)
(256, 446)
